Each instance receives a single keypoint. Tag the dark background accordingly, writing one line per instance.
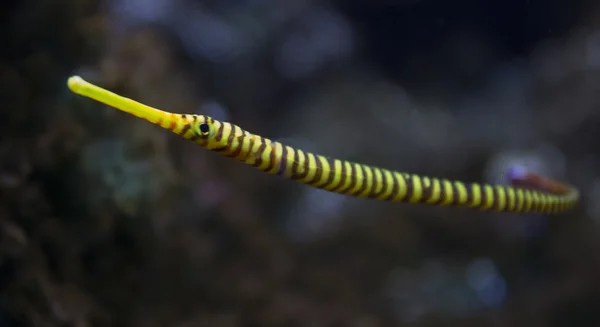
(106, 220)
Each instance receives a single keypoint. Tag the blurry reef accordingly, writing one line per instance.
(106, 220)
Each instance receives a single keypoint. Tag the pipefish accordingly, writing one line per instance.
(528, 192)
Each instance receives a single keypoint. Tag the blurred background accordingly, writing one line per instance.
(107, 220)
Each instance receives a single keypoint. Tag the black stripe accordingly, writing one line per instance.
(250, 147)
(282, 161)
(272, 157)
(395, 187)
(232, 134)
(455, 192)
(469, 190)
(355, 174)
(261, 150)
(222, 148)
(238, 150)
(374, 193)
(352, 174)
(305, 165)
(219, 134)
(443, 194)
(295, 162)
(483, 196)
(186, 128)
(365, 187)
(318, 171)
(426, 192)
(332, 172)
(344, 174)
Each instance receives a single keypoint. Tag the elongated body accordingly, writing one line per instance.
(541, 195)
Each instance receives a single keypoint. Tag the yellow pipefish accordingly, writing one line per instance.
(542, 195)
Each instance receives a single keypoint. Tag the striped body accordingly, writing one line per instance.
(340, 176)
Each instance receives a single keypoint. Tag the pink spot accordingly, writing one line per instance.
(517, 174)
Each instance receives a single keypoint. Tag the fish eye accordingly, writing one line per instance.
(204, 129)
